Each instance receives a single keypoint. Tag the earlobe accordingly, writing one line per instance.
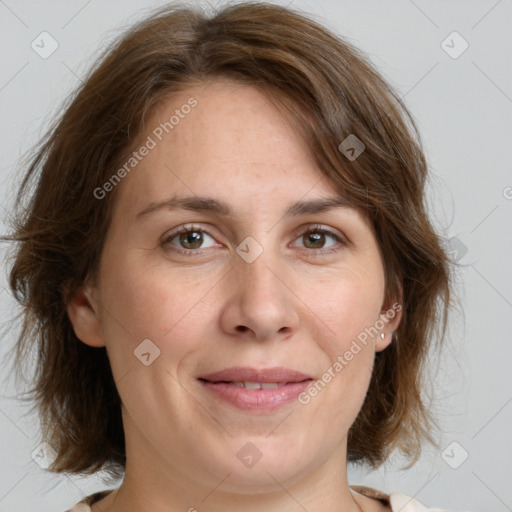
(84, 316)
(383, 341)
(390, 320)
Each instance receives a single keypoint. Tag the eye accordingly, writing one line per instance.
(315, 238)
(190, 238)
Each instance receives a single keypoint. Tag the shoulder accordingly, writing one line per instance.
(396, 501)
(404, 503)
(85, 504)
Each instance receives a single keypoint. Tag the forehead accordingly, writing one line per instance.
(225, 138)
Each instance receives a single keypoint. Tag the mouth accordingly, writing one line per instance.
(258, 390)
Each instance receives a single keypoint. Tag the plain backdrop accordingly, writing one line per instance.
(461, 99)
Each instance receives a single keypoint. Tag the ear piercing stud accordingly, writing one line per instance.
(382, 335)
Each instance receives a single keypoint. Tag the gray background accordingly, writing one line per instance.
(463, 107)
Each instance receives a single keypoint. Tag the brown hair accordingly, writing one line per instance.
(330, 91)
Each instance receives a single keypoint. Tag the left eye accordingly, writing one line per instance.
(316, 237)
(191, 238)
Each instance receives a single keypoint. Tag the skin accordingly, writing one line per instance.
(294, 306)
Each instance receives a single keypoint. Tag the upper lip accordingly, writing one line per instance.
(247, 374)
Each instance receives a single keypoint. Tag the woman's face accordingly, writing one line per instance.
(245, 291)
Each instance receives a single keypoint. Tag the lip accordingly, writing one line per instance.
(290, 384)
(246, 373)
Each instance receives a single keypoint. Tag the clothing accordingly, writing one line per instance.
(396, 500)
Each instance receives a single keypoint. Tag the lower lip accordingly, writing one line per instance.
(256, 399)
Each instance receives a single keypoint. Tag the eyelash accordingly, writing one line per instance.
(311, 229)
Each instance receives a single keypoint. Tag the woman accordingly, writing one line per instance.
(229, 270)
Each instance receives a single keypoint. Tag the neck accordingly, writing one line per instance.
(153, 483)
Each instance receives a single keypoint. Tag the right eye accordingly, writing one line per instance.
(189, 237)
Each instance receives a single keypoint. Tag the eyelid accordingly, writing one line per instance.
(323, 228)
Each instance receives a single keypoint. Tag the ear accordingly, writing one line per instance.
(390, 316)
(83, 312)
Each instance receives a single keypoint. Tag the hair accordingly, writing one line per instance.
(329, 90)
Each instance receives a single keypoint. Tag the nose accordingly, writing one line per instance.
(261, 304)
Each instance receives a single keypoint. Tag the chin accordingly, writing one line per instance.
(258, 465)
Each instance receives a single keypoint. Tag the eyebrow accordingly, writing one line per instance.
(211, 205)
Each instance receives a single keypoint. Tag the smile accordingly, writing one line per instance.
(257, 390)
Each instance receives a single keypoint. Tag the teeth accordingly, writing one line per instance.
(252, 385)
(257, 385)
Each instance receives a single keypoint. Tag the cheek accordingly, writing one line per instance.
(344, 381)
(350, 310)
(143, 303)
